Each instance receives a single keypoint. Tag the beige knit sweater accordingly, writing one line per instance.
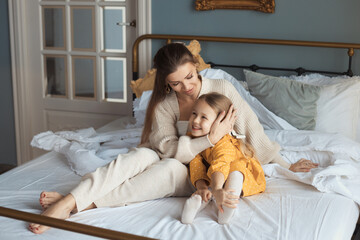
(165, 139)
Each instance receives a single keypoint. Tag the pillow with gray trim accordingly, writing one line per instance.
(291, 100)
(339, 102)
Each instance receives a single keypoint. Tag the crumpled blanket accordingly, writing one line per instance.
(338, 158)
(85, 149)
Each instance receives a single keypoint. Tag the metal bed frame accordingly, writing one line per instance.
(110, 234)
(169, 38)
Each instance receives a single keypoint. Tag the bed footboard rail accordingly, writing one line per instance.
(70, 226)
(349, 46)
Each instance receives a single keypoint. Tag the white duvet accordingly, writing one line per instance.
(87, 149)
(338, 156)
(283, 211)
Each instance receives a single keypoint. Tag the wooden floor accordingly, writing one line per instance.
(5, 167)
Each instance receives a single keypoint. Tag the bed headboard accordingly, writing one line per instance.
(350, 47)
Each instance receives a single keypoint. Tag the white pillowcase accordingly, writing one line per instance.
(140, 106)
(338, 105)
(267, 118)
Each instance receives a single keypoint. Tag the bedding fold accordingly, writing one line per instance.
(86, 149)
(338, 158)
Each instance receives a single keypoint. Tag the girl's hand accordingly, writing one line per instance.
(222, 126)
(303, 165)
(204, 193)
(225, 198)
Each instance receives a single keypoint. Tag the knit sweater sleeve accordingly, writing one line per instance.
(247, 123)
(164, 137)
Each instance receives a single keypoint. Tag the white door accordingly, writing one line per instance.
(77, 59)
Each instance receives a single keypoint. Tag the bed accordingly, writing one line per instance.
(323, 204)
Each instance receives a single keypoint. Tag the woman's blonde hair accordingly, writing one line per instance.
(220, 103)
(166, 61)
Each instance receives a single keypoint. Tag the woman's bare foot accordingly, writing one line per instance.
(61, 209)
(49, 198)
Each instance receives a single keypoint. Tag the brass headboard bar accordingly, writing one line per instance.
(70, 226)
(135, 66)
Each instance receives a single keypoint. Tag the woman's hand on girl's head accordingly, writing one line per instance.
(222, 125)
(204, 193)
(225, 198)
(303, 165)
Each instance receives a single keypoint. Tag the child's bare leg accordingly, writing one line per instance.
(49, 198)
(234, 182)
(61, 209)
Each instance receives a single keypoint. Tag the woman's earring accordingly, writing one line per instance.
(167, 89)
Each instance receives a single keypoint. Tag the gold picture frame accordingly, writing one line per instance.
(266, 6)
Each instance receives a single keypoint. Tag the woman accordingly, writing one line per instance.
(139, 175)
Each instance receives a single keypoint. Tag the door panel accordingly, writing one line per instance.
(84, 77)
(54, 27)
(114, 35)
(82, 28)
(78, 55)
(113, 70)
(55, 67)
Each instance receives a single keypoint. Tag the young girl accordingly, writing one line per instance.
(230, 160)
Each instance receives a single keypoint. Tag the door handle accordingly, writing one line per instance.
(130, 24)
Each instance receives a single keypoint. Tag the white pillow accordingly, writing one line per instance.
(267, 118)
(213, 73)
(140, 106)
(338, 105)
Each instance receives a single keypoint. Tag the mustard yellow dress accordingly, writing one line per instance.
(225, 157)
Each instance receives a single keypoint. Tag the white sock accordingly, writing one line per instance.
(235, 182)
(192, 206)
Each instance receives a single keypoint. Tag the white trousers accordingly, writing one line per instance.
(136, 176)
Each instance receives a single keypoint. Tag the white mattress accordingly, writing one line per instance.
(287, 210)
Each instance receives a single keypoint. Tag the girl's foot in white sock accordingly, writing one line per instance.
(224, 217)
(234, 182)
(192, 206)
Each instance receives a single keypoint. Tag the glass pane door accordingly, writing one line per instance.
(84, 50)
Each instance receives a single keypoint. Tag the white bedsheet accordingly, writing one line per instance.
(338, 156)
(287, 210)
(282, 212)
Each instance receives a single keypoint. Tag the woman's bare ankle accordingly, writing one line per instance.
(68, 202)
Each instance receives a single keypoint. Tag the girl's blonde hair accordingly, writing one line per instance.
(220, 103)
(166, 61)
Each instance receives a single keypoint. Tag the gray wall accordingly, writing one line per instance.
(7, 129)
(321, 20)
